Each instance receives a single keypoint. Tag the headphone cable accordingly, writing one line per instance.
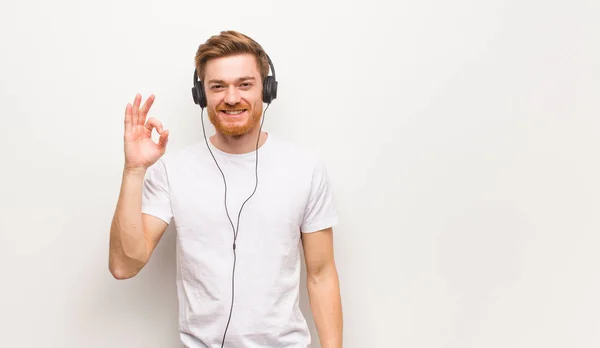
(235, 230)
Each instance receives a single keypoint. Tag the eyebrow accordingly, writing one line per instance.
(245, 78)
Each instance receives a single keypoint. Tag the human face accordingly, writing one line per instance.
(234, 93)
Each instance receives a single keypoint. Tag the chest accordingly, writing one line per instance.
(210, 211)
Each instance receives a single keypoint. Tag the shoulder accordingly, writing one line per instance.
(294, 155)
(297, 166)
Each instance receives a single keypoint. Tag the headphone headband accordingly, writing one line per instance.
(271, 65)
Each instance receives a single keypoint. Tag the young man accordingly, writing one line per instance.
(238, 272)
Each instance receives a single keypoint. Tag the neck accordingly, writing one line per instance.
(238, 144)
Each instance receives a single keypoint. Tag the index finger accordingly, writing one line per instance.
(128, 118)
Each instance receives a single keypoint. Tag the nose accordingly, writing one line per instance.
(232, 96)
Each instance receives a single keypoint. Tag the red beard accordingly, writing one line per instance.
(233, 127)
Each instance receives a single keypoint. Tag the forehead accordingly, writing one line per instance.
(231, 68)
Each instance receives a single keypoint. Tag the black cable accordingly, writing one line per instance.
(235, 230)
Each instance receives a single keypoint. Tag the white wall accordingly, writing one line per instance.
(462, 138)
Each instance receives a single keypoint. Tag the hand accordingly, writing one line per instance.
(140, 150)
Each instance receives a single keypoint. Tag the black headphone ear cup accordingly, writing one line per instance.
(198, 95)
(198, 92)
(195, 95)
(269, 89)
(273, 88)
(266, 90)
(202, 96)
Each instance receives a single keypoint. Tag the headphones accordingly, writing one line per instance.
(269, 88)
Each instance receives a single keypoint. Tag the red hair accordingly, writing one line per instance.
(229, 43)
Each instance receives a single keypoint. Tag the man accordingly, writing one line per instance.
(238, 241)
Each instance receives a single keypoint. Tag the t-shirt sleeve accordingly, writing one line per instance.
(156, 200)
(321, 210)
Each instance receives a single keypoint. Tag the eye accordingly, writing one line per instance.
(216, 86)
(246, 84)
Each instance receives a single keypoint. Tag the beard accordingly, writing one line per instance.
(235, 128)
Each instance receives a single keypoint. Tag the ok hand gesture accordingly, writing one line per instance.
(140, 150)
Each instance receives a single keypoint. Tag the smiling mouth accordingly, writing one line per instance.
(233, 112)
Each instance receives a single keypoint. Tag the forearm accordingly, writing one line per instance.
(128, 252)
(325, 302)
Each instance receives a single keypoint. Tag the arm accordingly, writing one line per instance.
(133, 235)
(323, 286)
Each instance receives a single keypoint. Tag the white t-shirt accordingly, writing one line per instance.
(294, 196)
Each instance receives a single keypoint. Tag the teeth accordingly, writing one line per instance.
(234, 112)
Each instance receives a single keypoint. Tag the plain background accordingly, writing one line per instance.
(461, 137)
